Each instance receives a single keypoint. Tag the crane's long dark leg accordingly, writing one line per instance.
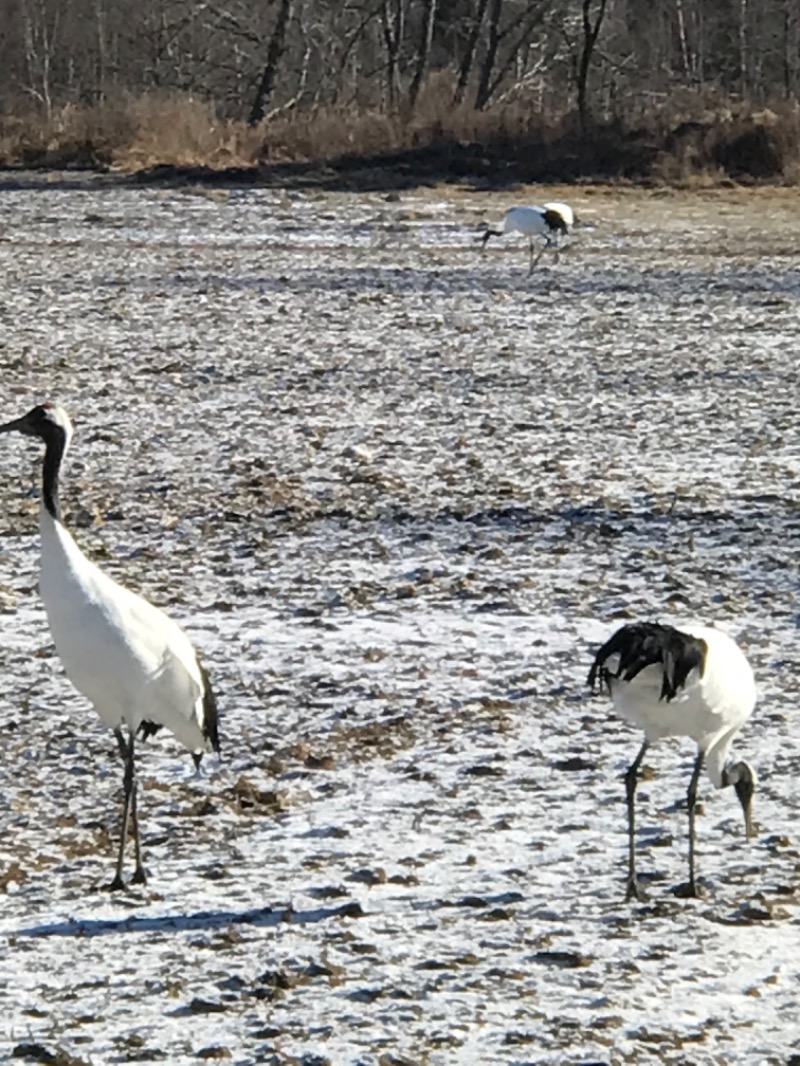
(128, 781)
(691, 800)
(139, 876)
(127, 752)
(538, 257)
(633, 890)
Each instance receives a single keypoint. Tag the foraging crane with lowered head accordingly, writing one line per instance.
(688, 681)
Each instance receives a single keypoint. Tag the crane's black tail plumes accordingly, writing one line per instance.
(210, 712)
(649, 644)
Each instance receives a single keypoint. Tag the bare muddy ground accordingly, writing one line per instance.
(397, 492)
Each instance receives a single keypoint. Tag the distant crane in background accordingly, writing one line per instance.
(134, 664)
(553, 221)
(692, 681)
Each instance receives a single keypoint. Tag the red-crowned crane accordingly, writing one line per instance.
(552, 221)
(134, 664)
(688, 681)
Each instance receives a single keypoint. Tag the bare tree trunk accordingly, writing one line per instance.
(526, 23)
(484, 81)
(424, 52)
(40, 29)
(275, 50)
(591, 31)
(701, 47)
(102, 62)
(788, 51)
(743, 47)
(468, 59)
(687, 69)
(393, 24)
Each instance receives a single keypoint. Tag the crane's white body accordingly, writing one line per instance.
(526, 220)
(710, 709)
(131, 661)
(532, 221)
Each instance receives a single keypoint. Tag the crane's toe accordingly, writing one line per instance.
(635, 891)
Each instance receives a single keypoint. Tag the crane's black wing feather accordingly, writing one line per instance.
(643, 644)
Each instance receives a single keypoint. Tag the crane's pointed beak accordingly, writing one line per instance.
(19, 425)
(749, 824)
(745, 788)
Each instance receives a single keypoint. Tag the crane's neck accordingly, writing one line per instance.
(722, 769)
(718, 764)
(56, 441)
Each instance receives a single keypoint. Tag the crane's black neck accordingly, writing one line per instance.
(55, 440)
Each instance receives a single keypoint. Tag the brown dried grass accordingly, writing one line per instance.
(186, 131)
(699, 138)
(28, 136)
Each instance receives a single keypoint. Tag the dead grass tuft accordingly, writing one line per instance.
(326, 133)
(70, 136)
(705, 138)
(186, 132)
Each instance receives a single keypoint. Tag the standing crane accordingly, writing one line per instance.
(133, 663)
(692, 681)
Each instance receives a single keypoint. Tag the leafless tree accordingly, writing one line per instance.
(592, 14)
(423, 50)
(393, 24)
(468, 59)
(41, 25)
(510, 28)
(275, 50)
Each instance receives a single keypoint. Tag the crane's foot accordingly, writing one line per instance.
(139, 876)
(689, 890)
(115, 885)
(634, 890)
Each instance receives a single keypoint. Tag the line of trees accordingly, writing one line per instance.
(256, 58)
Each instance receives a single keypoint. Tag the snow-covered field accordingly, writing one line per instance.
(398, 492)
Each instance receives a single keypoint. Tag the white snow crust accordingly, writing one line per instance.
(397, 492)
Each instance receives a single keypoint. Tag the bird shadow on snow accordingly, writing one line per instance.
(175, 923)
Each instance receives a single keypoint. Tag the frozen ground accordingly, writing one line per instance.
(398, 492)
